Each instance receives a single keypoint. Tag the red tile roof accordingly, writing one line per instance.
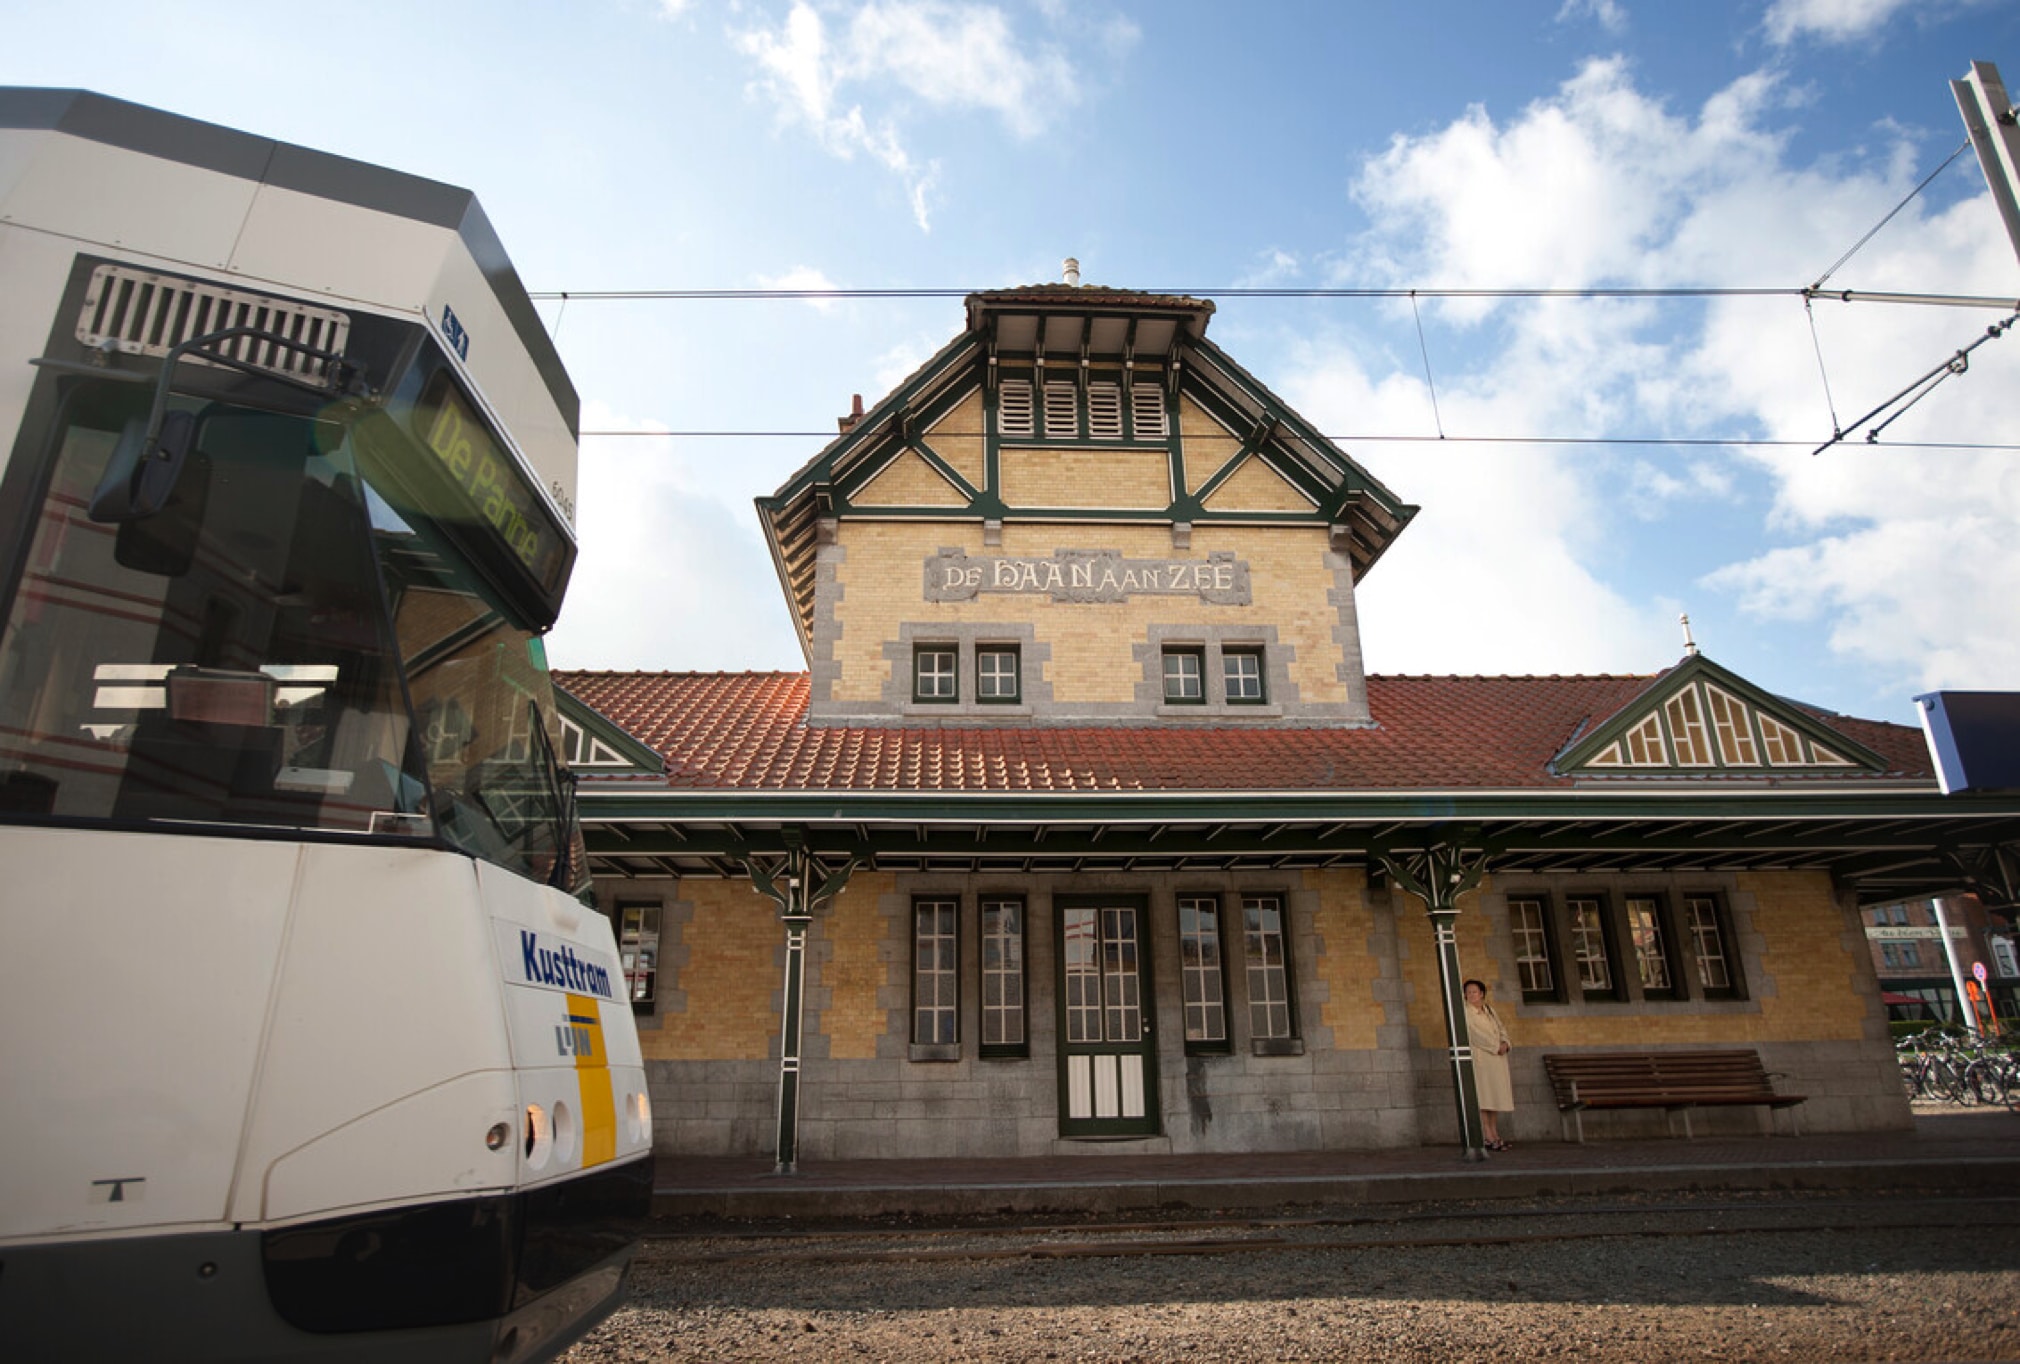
(748, 731)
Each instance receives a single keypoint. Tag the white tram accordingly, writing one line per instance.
(308, 1047)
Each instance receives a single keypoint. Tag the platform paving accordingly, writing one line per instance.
(1950, 1151)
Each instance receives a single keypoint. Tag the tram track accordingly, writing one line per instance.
(1425, 1228)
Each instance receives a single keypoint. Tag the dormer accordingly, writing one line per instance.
(1081, 510)
(1701, 721)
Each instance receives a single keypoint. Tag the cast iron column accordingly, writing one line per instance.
(798, 884)
(1438, 876)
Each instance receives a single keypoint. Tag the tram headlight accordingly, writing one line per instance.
(539, 1143)
(498, 1136)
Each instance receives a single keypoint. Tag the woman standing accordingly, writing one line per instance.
(1491, 1081)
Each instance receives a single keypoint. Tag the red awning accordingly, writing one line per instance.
(1889, 997)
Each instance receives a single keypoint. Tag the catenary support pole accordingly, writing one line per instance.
(1995, 136)
(1439, 875)
(798, 884)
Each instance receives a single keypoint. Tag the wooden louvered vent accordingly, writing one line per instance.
(1104, 411)
(1062, 417)
(1146, 411)
(1014, 408)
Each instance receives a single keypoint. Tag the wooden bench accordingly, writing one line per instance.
(1674, 1081)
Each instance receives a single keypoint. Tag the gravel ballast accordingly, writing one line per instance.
(1813, 1279)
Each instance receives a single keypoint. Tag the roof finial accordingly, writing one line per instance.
(1073, 272)
(1689, 644)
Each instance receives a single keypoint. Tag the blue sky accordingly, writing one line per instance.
(662, 144)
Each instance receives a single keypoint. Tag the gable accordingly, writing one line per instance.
(1699, 719)
(1073, 405)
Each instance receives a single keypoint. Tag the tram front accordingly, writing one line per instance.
(311, 1042)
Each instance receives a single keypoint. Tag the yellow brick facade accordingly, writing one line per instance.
(1135, 480)
(1092, 658)
(1257, 487)
(1804, 986)
(1345, 926)
(730, 978)
(957, 438)
(1207, 444)
(854, 971)
(910, 482)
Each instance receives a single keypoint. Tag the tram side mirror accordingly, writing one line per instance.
(142, 474)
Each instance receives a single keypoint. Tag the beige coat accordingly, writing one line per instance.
(1490, 1067)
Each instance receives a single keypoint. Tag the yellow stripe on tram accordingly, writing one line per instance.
(592, 1076)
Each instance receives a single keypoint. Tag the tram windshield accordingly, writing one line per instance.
(288, 642)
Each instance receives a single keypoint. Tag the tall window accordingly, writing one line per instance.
(1588, 945)
(2005, 960)
(1270, 1014)
(996, 673)
(1003, 977)
(1242, 676)
(935, 673)
(638, 946)
(1708, 944)
(936, 971)
(1529, 926)
(1651, 953)
(1184, 677)
(1203, 973)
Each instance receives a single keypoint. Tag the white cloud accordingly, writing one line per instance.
(945, 55)
(803, 277)
(1834, 21)
(1606, 13)
(660, 532)
(1899, 556)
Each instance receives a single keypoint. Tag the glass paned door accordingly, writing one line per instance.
(1107, 1056)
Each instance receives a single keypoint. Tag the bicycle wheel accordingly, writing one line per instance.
(1985, 1082)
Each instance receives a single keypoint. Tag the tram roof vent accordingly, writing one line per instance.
(142, 313)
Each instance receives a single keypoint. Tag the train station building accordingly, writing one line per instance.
(1087, 823)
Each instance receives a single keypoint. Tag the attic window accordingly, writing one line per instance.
(1104, 411)
(1704, 725)
(1062, 408)
(1686, 729)
(1146, 411)
(1013, 408)
(1728, 719)
(580, 748)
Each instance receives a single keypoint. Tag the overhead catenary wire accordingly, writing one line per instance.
(1927, 180)
(2002, 302)
(1392, 438)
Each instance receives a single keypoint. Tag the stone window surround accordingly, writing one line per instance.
(1744, 947)
(1211, 641)
(966, 638)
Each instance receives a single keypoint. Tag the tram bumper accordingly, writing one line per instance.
(507, 1279)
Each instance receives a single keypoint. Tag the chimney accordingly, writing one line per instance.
(848, 423)
(1073, 272)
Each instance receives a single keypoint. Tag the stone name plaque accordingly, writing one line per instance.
(1088, 575)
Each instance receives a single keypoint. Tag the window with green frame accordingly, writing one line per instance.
(998, 675)
(1203, 974)
(936, 673)
(1185, 677)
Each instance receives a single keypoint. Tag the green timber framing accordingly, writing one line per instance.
(1362, 515)
(1882, 845)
